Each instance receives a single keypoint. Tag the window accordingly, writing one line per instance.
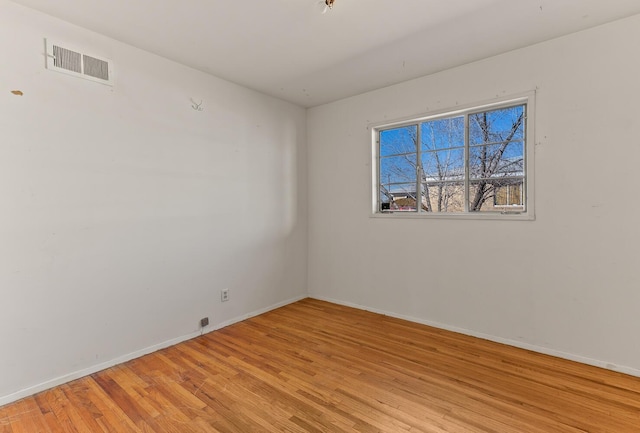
(468, 162)
(508, 195)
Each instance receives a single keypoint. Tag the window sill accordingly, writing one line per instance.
(524, 216)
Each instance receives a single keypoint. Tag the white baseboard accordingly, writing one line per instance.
(137, 354)
(539, 349)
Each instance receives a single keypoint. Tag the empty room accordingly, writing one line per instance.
(319, 216)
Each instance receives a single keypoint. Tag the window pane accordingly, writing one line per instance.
(443, 196)
(398, 141)
(402, 197)
(443, 165)
(442, 133)
(496, 126)
(396, 169)
(496, 160)
(497, 195)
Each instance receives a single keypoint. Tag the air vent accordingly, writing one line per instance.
(62, 58)
(95, 68)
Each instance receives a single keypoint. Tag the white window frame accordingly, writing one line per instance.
(501, 213)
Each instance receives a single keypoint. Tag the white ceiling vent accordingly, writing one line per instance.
(74, 62)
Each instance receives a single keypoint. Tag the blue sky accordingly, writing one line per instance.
(442, 146)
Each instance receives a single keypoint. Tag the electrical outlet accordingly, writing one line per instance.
(204, 322)
(224, 295)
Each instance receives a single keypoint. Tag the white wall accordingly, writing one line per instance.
(124, 212)
(566, 283)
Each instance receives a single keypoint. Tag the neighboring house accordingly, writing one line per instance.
(502, 194)
(403, 201)
(503, 191)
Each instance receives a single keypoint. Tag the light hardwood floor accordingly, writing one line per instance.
(319, 367)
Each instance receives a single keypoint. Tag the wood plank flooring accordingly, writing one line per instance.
(319, 367)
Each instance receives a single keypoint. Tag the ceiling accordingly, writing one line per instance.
(288, 49)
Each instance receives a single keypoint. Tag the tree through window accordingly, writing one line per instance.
(473, 161)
